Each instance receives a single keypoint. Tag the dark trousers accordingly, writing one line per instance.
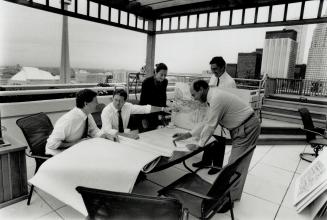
(215, 152)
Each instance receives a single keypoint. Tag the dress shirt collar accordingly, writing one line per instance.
(223, 76)
(80, 113)
(114, 108)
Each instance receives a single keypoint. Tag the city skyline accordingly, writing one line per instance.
(36, 42)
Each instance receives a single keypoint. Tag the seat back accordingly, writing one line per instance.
(97, 114)
(307, 123)
(36, 129)
(101, 204)
(225, 179)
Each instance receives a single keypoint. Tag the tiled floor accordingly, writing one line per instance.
(268, 191)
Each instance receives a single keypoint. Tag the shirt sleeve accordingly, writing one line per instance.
(165, 92)
(140, 109)
(106, 118)
(58, 134)
(214, 116)
(212, 81)
(232, 83)
(144, 99)
(196, 131)
(93, 130)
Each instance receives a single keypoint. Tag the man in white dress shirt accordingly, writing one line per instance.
(115, 116)
(232, 113)
(76, 124)
(221, 79)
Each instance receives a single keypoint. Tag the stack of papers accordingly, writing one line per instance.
(310, 194)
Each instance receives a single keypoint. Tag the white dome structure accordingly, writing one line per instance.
(32, 75)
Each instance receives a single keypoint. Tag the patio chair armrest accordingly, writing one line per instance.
(38, 157)
(314, 132)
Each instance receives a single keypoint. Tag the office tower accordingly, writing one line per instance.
(279, 54)
(231, 69)
(317, 59)
(249, 65)
(301, 37)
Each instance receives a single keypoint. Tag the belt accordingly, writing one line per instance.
(247, 119)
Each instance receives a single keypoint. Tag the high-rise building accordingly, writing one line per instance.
(279, 54)
(249, 65)
(231, 69)
(301, 37)
(317, 58)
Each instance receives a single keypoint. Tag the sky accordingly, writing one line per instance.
(32, 37)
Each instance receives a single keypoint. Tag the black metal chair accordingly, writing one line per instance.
(314, 135)
(97, 114)
(202, 198)
(36, 129)
(101, 204)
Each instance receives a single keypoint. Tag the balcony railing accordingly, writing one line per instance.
(296, 87)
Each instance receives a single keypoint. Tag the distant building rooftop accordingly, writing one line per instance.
(32, 74)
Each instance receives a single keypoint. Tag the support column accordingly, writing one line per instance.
(65, 65)
(150, 48)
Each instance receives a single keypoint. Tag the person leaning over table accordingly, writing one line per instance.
(154, 92)
(76, 125)
(115, 116)
(230, 112)
(221, 79)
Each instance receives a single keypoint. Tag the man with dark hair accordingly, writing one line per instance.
(76, 124)
(115, 116)
(154, 92)
(231, 112)
(220, 77)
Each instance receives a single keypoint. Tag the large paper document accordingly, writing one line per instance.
(311, 186)
(96, 163)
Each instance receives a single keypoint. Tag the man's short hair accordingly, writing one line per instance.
(85, 95)
(121, 92)
(200, 83)
(219, 61)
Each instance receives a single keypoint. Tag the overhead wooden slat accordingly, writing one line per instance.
(153, 10)
(320, 8)
(270, 13)
(243, 16)
(302, 9)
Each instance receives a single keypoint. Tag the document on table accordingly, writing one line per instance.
(95, 163)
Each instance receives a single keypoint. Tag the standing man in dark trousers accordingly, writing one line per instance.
(232, 113)
(221, 79)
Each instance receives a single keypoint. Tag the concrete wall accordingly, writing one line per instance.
(55, 108)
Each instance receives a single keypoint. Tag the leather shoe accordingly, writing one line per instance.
(200, 164)
(213, 171)
(226, 207)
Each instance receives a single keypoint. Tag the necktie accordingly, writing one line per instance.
(86, 128)
(217, 82)
(120, 122)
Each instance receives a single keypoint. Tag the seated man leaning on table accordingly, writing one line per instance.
(115, 116)
(76, 125)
